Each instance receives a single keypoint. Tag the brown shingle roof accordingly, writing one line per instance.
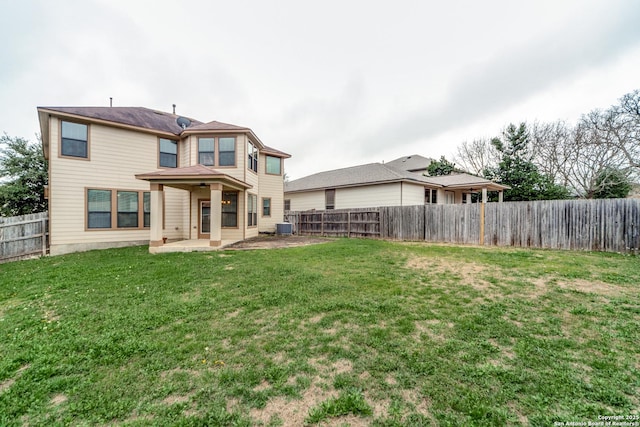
(214, 125)
(277, 153)
(134, 116)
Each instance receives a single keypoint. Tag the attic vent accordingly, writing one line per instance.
(183, 122)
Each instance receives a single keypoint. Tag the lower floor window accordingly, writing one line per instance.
(98, 208)
(128, 209)
(128, 206)
(252, 210)
(229, 209)
(266, 207)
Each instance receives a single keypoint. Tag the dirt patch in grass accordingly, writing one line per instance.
(174, 399)
(469, 272)
(293, 412)
(592, 286)
(269, 241)
(5, 385)
(58, 399)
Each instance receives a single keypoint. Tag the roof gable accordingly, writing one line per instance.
(415, 162)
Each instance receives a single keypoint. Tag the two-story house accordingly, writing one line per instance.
(130, 175)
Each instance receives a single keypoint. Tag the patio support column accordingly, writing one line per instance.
(157, 215)
(484, 195)
(500, 196)
(215, 236)
(468, 198)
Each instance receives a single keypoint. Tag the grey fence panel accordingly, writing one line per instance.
(23, 236)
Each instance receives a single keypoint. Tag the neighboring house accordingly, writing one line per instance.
(129, 175)
(397, 183)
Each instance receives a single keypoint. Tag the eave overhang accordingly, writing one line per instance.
(192, 176)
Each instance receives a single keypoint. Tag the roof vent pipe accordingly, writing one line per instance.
(110, 101)
(174, 109)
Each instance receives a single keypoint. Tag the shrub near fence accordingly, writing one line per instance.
(23, 236)
(600, 225)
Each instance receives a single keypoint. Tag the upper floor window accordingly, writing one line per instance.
(273, 165)
(168, 153)
(227, 151)
(252, 153)
(206, 151)
(75, 140)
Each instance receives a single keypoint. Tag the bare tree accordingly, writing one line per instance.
(477, 156)
(553, 148)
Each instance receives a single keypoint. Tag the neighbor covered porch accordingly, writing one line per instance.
(215, 212)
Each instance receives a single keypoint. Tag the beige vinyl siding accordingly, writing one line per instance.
(116, 156)
(271, 186)
(368, 196)
(306, 201)
(412, 194)
(185, 152)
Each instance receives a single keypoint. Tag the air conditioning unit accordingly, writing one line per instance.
(284, 229)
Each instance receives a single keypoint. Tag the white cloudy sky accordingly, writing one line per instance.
(334, 83)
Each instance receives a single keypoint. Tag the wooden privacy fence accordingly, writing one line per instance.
(611, 225)
(23, 236)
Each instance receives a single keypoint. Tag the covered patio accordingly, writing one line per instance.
(200, 180)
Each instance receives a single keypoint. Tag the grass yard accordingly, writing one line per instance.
(351, 332)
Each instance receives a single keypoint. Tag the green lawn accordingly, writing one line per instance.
(351, 332)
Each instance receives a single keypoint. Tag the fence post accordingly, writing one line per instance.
(349, 224)
(44, 236)
(482, 205)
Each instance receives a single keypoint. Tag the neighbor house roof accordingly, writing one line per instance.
(372, 173)
(378, 173)
(464, 180)
(414, 162)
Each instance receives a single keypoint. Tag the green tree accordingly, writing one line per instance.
(517, 170)
(23, 175)
(441, 167)
(611, 183)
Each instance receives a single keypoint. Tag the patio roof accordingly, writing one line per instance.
(188, 177)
